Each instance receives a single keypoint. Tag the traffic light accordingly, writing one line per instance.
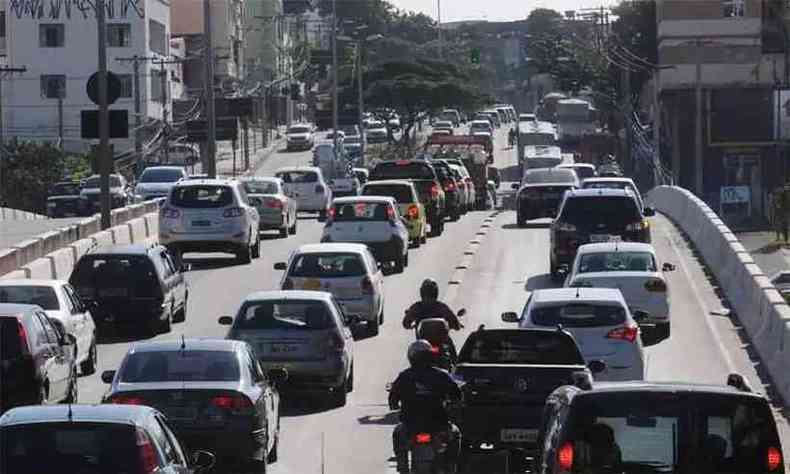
(475, 56)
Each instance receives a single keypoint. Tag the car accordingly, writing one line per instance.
(307, 185)
(583, 170)
(362, 175)
(599, 320)
(213, 391)
(350, 131)
(376, 132)
(595, 215)
(64, 200)
(94, 439)
(196, 177)
(468, 186)
(120, 194)
(409, 205)
(330, 136)
(494, 116)
(442, 132)
(452, 116)
(307, 332)
(60, 302)
(157, 182)
(526, 117)
(353, 148)
(374, 221)
(181, 154)
(541, 191)
(614, 183)
(348, 271)
(132, 287)
(634, 269)
(444, 125)
(37, 358)
(210, 215)
(454, 186)
(641, 427)
(276, 209)
(299, 136)
(610, 171)
(486, 117)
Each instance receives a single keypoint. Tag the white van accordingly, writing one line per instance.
(542, 156)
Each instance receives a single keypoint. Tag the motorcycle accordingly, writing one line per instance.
(437, 332)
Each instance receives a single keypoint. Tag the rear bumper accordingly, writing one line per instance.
(364, 307)
(120, 313)
(272, 222)
(484, 424)
(386, 251)
(237, 445)
(208, 246)
(530, 209)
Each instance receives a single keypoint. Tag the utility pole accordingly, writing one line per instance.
(439, 25)
(211, 123)
(138, 119)
(103, 156)
(165, 128)
(5, 70)
(698, 148)
(360, 101)
(60, 119)
(628, 160)
(335, 99)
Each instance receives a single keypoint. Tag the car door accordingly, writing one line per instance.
(165, 274)
(77, 324)
(58, 361)
(269, 397)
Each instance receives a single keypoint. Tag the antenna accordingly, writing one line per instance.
(183, 342)
(70, 414)
(577, 291)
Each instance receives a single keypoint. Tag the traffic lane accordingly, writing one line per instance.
(282, 158)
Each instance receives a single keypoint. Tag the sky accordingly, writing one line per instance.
(493, 10)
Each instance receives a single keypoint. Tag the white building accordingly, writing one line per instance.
(59, 50)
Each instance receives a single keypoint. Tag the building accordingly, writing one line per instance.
(58, 48)
(735, 52)
(265, 30)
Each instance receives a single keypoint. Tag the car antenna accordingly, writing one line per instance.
(183, 342)
(70, 414)
(577, 291)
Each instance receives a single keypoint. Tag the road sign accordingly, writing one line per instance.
(119, 124)
(113, 88)
(735, 194)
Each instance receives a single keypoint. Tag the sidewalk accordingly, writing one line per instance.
(225, 164)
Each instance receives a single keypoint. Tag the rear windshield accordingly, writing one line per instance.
(118, 276)
(153, 175)
(666, 432)
(291, 315)
(180, 366)
(43, 296)
(261, 187)
(520, 347)
(298, 176)
(65, 189)
(617, 262)
(403, 170)
(201, 197)
(327, 265)
(543, 162)
(584, 172)
(361, 212)
(549, 176)
(609, 209)
(578, 315)
(402, 194)
(95, 448)
(94, 182)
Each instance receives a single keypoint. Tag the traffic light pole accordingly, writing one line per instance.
(335, 99)
(211, 119)
(103, 153)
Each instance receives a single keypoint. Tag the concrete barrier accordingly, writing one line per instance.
(63, 262)
(121, 235)
(103, 238)
(40, 269)
(82, 246)
(9, 260)
(8, 214)
(29, 250)
(16, 275)
(137, 230)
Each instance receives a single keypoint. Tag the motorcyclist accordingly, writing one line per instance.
(421, 392)
(429, 306)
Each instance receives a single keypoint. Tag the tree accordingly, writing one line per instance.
(29, 170)
(542, 21)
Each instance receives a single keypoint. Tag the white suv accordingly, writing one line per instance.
(308, 186)
(210, 215)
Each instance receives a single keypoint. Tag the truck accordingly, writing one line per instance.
(535, 133)
(475, 151)
(574, 120)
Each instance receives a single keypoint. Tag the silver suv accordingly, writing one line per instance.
(210, 215)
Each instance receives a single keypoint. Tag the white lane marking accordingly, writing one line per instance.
(696, 291)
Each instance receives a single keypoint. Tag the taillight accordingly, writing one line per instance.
(233, 212)
(773, 458)
(625, 333)
(149, 460)
(288, 284)
(565, 227)
(413, 212)
(367, 286)
(335, 344)
(450, 186)
(422, 438)
(235, 403)
(565, 456)
(126, 400)
(319, 189)
(170, 213)
(274, 204)
(656, 285)
(637, 226)
(435, 191)
(435, 350)
(22, 334)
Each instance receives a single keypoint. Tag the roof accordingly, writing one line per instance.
(620, 179)
(15, 309)
(616, 247)
(128, 249)
(203, 182)
(331, 247)
(195, 344)
(289, 294)
(361, 170)
(126, 414)
(351, 199)
(564, 295)
(390, 182)
(483, 122)
(261, 179)
(642, 386)
(31, 282)
(596, 192)
(576, 165)
(164, 167)
(286, 169)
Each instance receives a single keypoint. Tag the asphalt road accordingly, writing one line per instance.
(483, 263)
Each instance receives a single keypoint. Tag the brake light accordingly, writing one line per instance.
(435, 191)
(435, 350)
(422, 438)
(656, 285)
(565, 456)
(22, 333)
(565, 227)
(126, 400)
(367, 286)
(288, 284)
(274, 204)
(625, 333)
(637, 226)
(773, 458)
(236, 403)
(413, 212)
(319, 189)
(233, 212)
(149, 460)
(450, 186)
(170, 213)
(402, 162)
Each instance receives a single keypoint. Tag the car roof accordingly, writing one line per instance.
(484, 122)
(616, 247)
(126, 249)
(32, 282)
(564, 295)
(390, 182)
(351, 199)
(600, 192)
(204, 181)
(195, 344)
(288, 169)
(621, 179)
(289, 294)
(642, 386)
(331, 247)
(108, 413)
(165, 167)
(576, 165)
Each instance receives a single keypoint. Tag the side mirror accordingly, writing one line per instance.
(649, 212)
(225, 320)
(107, 376)
(515, 186)
(510, 317)
(280, 266)
(202, 461)
(462, 312)
(596, 366)
(668, 267)
(277, 376)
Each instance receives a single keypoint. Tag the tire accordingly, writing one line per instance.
(339, 395)
(73, 396)
(166, 325)
(292, 229)
(244, 255)
(284, 232)
(256, 249)
(381, 315)
(321, 216)
(350, 380)
(406, 259)
(256, 467)
(271, 458)
(88, 366)
(424, 238)
(373, 328)
(520, 221)
(181, 314)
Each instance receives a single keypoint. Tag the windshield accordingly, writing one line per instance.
(298, 130)
(402, 194)
(549, 176)
(576, 315)
(43, 296)
(617, 262)
(180, 366)
(520, 347)
(94, 182)
(152, 175)
(328, 265)
(614, 210)
(204, 196)
(289, 315)
(261, 187)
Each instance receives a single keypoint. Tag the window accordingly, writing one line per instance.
(53, 86)
(516, 347)
(127, 85)
(327, 265)
(362, 212)
(402, 194)
(119, 35)
(161, 175)
(181, 366)
(299, 315)
(52, 333)
(578, 315)
(158, 37)
(617, 262)
(51, 35)
(43, 296)
(733, 8)
(196, 197)
(261, 187)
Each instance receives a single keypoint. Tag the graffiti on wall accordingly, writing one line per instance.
(65, 9)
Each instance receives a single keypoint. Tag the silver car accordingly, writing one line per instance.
(277, 209)
(304, 332)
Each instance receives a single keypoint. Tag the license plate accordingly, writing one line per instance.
(283, 348)
(201, 223)
(604, 238)
(312, 285)
(512, 435)
(180, 413)
(112, 292)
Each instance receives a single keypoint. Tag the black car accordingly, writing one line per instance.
(541, 192)
(650, 427)
(213, 392)
(595, 215)
(37, 358)
(132, 285)
(64, 200)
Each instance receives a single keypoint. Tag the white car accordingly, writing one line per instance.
(157, 181)
(443, 125)
(480, 126)
(376, 132)
(371, 220)
(348, 271)
(307, 185)
(276, 209)
(60, 302)
(210, 215)
(781, 281)
(119, 192)
(632, 268)
(599, 320)
(299, 136)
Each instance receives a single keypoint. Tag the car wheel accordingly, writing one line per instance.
(245, 255)
(73, 394)
(350, 380)
(340, 395)
(166, 325)
(256, 467)
(271, 458)
(373, 328)
(435, 228)
(521, 221)
(321, 216)
(88, 366)
(424, 237)
(284, 232)
(256, 249)
(181, 315)
(406, 258)
(416, 243)
(292, 229)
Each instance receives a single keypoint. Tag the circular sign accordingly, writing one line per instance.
(113, 88)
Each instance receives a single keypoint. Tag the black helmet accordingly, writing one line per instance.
(429, 290)
(419, 352)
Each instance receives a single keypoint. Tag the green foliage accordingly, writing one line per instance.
(474, 56)
(542, 21)
(29, 170)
